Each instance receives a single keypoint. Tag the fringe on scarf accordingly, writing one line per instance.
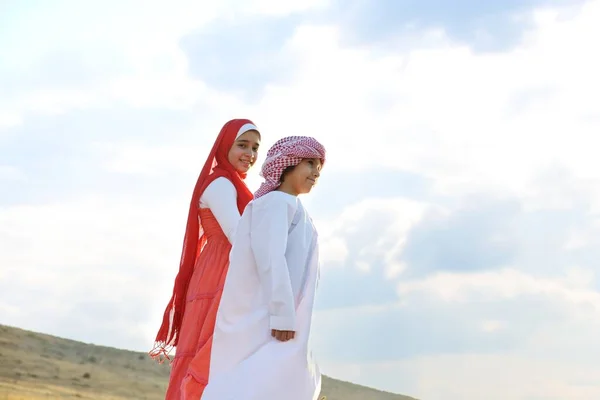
(161, 352)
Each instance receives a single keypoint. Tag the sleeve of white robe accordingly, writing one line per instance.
(221, 197)
(271, 220)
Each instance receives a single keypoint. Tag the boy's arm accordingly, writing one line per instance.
(268, 237)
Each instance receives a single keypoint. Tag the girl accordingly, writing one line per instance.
(260, 343)
(219, 198)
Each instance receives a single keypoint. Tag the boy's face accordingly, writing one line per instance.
(302, 178)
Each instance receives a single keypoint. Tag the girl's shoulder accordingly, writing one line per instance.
(222, 182)
(220, 188)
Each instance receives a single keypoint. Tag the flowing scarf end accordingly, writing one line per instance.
(160, 352)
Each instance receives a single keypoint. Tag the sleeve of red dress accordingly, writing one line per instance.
(221, 197)
(271, 218)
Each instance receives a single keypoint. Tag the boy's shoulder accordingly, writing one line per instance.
(276, 197)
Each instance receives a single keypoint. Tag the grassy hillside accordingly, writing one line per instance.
(34, 366)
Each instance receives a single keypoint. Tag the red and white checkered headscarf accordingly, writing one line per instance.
(287, 152)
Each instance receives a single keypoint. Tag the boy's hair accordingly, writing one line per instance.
(286, 171)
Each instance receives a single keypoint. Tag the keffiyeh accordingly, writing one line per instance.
(287, 152)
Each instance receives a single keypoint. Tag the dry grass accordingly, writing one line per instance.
(35, 366)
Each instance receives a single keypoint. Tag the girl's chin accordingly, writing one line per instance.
(242, 167)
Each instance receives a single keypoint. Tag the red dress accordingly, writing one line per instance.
(189, 370)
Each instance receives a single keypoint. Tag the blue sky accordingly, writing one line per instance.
(459, 210)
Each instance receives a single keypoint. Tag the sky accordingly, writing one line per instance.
(459, 209)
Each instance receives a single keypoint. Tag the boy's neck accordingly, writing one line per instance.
(284, 189)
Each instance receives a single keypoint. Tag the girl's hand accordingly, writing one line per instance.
(282, 336)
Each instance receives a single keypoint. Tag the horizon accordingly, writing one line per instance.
(37, 349)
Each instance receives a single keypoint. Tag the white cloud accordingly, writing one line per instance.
(146, 66)
(448, 112)
(139, 158)
(113, 254)
(471, 346)
(477, 376)
(518, 124)
(376, 226)
(8, 120)
(333, 250)
(277, 8)
(577, 287)
(492, 325)
(89, 236)
(8, 172)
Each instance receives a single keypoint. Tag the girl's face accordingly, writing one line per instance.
(242, 154)
(302, 178)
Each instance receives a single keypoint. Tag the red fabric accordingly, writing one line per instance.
(217, 165)
(190, 367)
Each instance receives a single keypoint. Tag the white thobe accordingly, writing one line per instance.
(271, 283)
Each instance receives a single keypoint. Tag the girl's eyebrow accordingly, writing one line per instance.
(245, 141)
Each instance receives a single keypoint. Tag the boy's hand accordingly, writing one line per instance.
(282, 336)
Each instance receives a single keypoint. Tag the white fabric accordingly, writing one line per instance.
(271, 283)
(245, 128)
(221, 197)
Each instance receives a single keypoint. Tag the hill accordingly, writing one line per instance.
(35, 366)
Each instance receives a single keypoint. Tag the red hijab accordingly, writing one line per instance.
(216, 165)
